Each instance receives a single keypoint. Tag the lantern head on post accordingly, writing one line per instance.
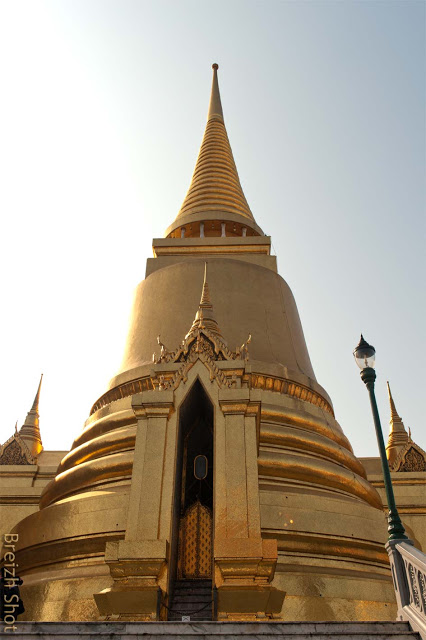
(365, 356)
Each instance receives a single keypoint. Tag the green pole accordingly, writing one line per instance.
(395, 528)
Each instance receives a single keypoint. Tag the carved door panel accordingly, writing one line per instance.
(195, 543)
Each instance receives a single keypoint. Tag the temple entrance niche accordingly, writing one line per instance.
(194, 525)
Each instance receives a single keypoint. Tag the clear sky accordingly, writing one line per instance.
(102, 113)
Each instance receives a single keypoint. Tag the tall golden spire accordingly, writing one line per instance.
(398, 437)
(204, 318)
(30, 430)
(215, 192)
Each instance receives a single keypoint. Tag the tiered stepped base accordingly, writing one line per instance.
(191, 598)
(213, 631)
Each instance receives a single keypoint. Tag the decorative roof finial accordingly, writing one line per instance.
(394, 413)
(30, 430)
(398, 437)
(205, 301)
(215, 107)
(37, 396)
(204, 318)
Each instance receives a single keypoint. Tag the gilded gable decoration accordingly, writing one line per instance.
(15, 451)
(202, 342)
(411, 458)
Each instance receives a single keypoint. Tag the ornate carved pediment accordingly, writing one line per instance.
(198, 342)
(15, 451)
(203, 342)
(411, 458)
(203, 346)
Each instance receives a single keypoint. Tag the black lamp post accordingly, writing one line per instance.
(364, 355)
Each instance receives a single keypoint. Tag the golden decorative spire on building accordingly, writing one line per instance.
(204, 318)
(398, 436)
(403, 454)
(30, 430)
(215, 192)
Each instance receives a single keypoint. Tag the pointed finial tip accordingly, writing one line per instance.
(215, 66)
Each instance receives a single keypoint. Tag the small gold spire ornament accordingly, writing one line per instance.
(30, 430)
(204, 318)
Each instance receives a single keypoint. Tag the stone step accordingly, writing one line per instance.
(194, 619)
(193, 590)
(196, 597)
(201, 613)
(212, 630)
(193, 582)
(191, 598)
(206, 595)
(177, 613)
(205, 612)
(188, 610)
(247, 636)
(193, 585)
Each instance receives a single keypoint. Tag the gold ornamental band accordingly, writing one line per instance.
(255, 381)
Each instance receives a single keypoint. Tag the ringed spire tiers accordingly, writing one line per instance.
(215, 203)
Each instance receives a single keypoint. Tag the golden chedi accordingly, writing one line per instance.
(213, 461)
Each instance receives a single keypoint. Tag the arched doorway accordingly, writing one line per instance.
(192, 544)
(196, 486)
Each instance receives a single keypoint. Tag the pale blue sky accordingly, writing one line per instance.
(102, 113)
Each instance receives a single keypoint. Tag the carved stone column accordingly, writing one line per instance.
(244, 562)
(138, 563)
